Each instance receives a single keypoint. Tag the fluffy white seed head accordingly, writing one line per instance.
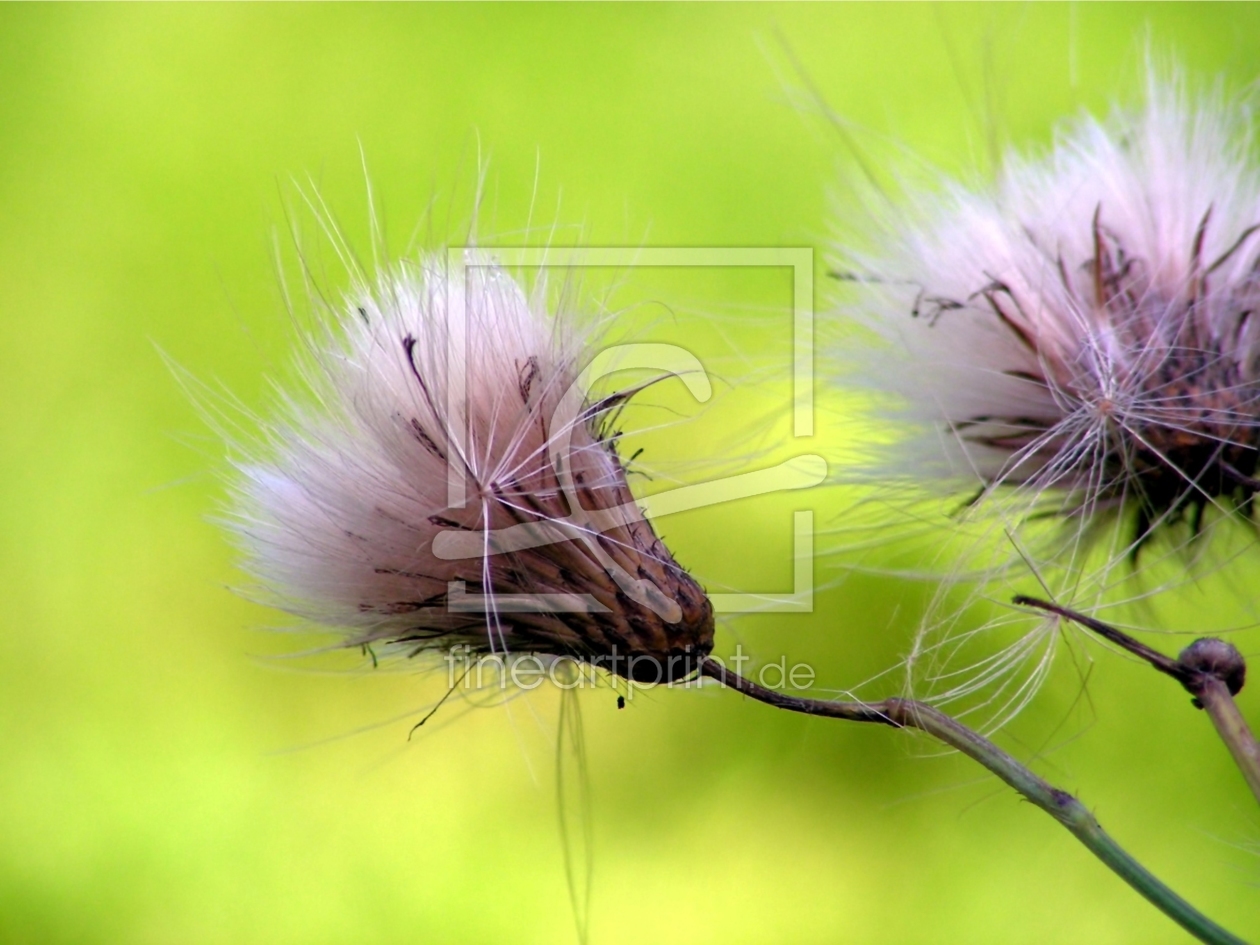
(1084, 329)
(1075, 340)
(347, 515)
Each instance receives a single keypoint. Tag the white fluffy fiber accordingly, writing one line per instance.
(1014, 369)
(345, 512)
(992, 408)
(338, 511)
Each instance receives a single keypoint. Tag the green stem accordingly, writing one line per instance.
(1215, 697)
(1062, 806)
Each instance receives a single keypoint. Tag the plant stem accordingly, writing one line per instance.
(1215, 697)
(1164, 664)
(1211, 670)
(1062, 806)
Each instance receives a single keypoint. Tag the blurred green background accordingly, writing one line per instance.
(162, 780)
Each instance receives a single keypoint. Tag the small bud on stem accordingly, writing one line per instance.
(1211, 670)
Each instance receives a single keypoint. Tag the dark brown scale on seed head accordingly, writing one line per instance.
(643, 615)
(1180, 409)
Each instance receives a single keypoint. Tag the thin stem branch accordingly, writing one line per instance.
(1062, 806)
(1215, 697)
(1211, 670)
(1164, 664)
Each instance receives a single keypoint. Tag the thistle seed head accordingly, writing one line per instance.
(1086, 329)
(348, 516)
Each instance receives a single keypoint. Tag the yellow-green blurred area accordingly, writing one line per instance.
(165, 778)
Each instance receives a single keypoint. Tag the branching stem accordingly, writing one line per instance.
(1164, 664)
(1062, 806)
(1211, 670)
